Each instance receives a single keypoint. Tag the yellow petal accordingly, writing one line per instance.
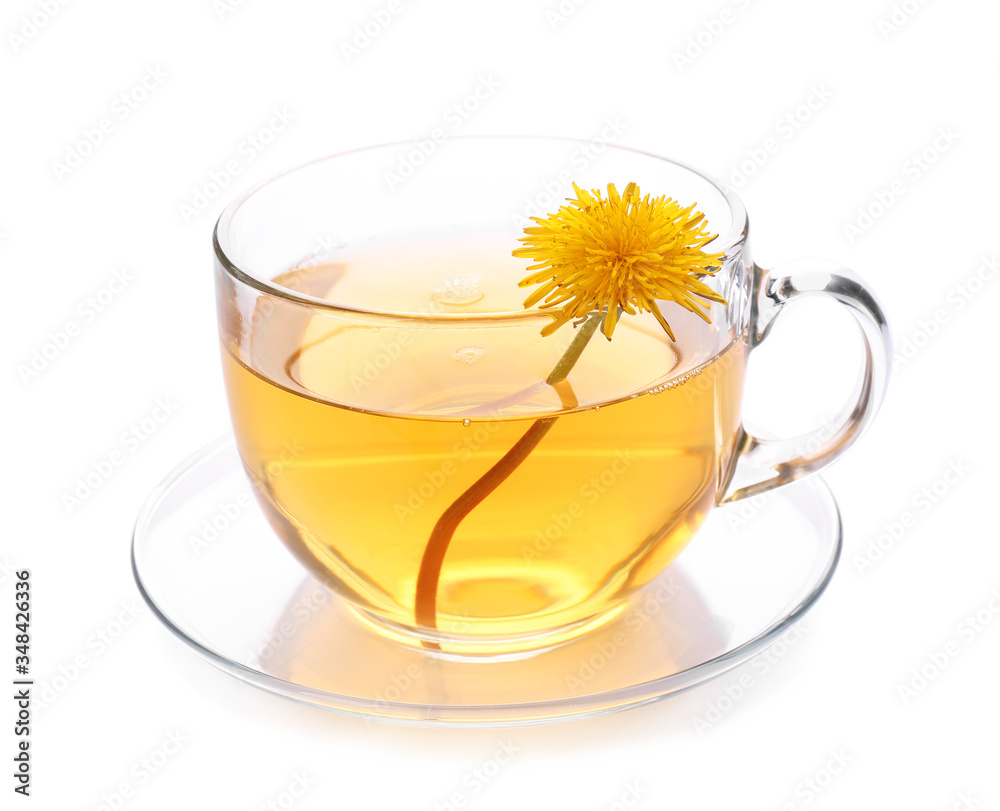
(621, 251)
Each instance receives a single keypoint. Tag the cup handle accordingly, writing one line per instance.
(763, 464)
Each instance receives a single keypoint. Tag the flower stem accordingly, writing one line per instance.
(573, 351)
(429, 576)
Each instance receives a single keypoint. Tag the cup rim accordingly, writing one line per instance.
(734, 240)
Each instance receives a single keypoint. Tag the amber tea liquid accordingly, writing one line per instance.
(360, 436)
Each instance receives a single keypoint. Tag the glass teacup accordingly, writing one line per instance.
(381, 369)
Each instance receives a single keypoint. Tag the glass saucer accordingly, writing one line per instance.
(211, 569)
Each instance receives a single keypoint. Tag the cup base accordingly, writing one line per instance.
(493, 646)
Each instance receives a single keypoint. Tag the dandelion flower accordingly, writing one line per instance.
(623, 251)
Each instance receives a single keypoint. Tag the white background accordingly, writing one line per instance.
(887, 90)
